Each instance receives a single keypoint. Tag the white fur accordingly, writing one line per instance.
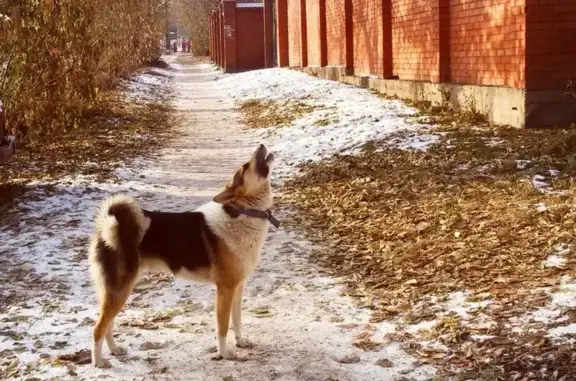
(243, 235)
(107, 229)
(107, 225)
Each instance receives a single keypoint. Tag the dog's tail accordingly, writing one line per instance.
(114, 255)
(121, 223)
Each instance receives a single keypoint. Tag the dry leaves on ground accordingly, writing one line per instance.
(266, 113)
(465, 215)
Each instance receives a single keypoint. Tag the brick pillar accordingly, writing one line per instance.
(221, 53)
(217, 37)
(349, 64)
(229, 29)
(303, 35)
(213, 37)
(215, 30)
(211, 40)
(282, 32)
(323, 34)
(387, 64)
(444, 37)
(268, 34)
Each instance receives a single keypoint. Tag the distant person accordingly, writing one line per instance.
(188, 45)
(175, 47)
(183, 46)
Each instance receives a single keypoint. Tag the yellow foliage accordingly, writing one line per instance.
(57, 55)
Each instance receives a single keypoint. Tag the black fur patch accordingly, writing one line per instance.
(110, 259)
(262, 168)
(231, 211)
(181, 240)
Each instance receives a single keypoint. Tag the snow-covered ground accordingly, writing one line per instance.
(350, 116)
(302, 327)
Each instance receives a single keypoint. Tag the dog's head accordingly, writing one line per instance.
(251, 182)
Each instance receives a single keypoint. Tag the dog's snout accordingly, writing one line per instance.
(261, 152)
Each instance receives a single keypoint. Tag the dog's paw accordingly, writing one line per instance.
(225, 355)
(243, 343)
(119, 351)
(102, 364)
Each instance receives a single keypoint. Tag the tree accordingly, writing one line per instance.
(193, 18)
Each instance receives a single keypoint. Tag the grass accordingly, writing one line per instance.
(444, 114)
(262, 114)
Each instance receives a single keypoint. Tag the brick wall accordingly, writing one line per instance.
(487, 42)
(294, 33)
(512, 43)
(481, 42)
(237, 39)
(415, 39)
(336, 32)
(250, 38)
(367, 37)
(550, 50)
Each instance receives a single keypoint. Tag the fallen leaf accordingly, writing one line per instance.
(351, 359)
(385, 363)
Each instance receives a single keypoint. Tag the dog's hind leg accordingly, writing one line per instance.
(224, 300)
(116, 349)
(237, 318)
(110, 306)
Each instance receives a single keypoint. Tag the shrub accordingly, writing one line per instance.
(56, 56)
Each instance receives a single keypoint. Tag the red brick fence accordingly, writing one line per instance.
(237, 36)
(509, 59)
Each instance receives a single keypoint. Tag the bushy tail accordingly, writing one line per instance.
(121, 223)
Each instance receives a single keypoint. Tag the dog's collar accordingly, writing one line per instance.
(265, 215)
(255, 213)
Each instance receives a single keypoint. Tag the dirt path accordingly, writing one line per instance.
(303, 329)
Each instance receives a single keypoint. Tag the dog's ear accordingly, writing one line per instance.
(227, 196)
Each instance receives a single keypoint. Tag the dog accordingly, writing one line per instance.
(218, 243)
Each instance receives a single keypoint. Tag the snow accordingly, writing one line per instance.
(300, 340)
(418, 142)
(561, 298)
(540, 207)
(522, 164)
(562, 331)
(358, 116)
(540, 183)
(555, 261)
(458, 302)
(422, 326)
(143, 84)
(558, 256)
(493, 142)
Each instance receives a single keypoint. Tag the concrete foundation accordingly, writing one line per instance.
(501, 105)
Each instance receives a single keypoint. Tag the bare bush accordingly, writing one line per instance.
(57, 56)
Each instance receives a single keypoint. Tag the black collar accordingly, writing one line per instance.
(265, 215)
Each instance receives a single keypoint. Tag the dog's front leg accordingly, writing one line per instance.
(237, 318)
(224, 300)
